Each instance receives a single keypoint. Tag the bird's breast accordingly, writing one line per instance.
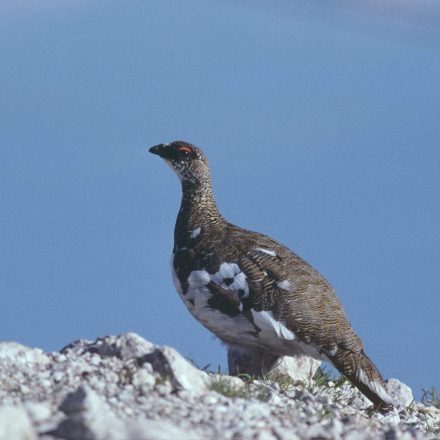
(220, 302)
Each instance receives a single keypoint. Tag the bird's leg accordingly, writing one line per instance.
(253, 362)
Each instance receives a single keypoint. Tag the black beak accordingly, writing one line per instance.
(158, 149)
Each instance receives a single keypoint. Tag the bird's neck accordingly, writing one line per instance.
(197, 210)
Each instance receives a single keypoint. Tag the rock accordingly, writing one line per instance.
(318, 431)
(15, 424)
(256, 363)
(287, 434)
(401, 394)
(89, 418)
(125, 346)
(392, 417)
(38, 412)
(123, 387)
(298, 368)
(158, 430)
(334, 428)
(170, 364)
(232, 382)
(19, 354)
(143, 379)
(83, 399)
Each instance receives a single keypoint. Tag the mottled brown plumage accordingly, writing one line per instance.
(252, 291)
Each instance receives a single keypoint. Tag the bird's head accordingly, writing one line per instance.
(185, 159)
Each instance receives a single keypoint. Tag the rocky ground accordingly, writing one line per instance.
(125, 388)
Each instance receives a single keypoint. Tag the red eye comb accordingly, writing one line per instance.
(185, 148)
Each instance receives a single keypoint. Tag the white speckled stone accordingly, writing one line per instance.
(400, 393)
(17, 353)
(15, 424)
(123, 387)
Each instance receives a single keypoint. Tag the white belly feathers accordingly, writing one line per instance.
(265, 329)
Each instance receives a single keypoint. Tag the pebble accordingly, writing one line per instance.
(101, 389)
(209, 399)
(15, 424)
(58, 376)
(38, 412)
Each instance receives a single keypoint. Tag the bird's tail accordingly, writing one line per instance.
(364, 375)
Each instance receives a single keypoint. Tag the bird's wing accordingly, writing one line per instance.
(282, 283)
(295, 298)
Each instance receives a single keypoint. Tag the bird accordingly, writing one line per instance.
(251, 291)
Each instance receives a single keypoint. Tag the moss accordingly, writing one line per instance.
(225, 388)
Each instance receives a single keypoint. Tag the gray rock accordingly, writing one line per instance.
(142, 429)
(286, 434)
(89, 418)
(171, 365)
(125, 346)
(335, 428)
(123, 387)
(318, 431)
(81, 400)
(401, 394)
(15, 424)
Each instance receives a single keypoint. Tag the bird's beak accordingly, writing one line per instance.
(158, 149)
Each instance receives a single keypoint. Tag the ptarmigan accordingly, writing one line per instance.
(253, 292)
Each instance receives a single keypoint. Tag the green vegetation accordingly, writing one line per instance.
(323, 376)
(285, 382)
(431, 397)
(224, 387)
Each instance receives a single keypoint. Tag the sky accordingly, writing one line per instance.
(321, 124)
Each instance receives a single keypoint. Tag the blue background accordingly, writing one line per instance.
(321, 123)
